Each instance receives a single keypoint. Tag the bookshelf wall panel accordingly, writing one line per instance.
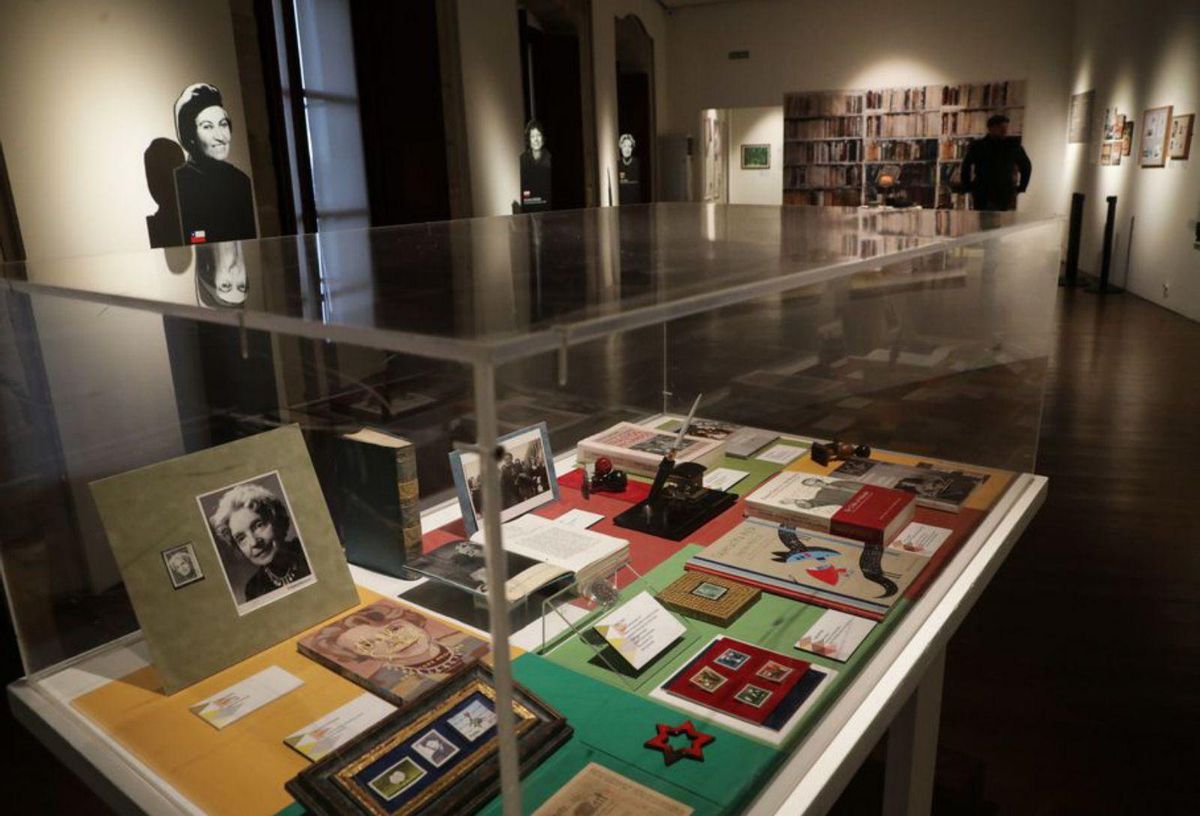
(837, 143)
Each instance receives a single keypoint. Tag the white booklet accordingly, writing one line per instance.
(640, 629)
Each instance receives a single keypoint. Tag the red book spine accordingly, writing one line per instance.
(874, 515)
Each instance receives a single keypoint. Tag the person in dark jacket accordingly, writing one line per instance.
(995, 169)
(216, 202)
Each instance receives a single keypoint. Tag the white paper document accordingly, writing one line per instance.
(251, 694)
(781, 454)
(920, 539)
(835, 635)
(723, 478)
(640, 629)
(321, 738)
(579, 519)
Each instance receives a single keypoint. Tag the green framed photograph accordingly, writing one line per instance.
(756, 157)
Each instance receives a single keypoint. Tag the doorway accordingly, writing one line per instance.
(635, 111)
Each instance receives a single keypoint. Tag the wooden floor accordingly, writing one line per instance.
(1074, 686)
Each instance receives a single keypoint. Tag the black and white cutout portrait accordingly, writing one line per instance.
(535, 169)
(261, 551)
(215, 199)
(182, 566)
(221, 276)
(629, 180)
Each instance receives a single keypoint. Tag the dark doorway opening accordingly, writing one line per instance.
(635, 97)
(551, 78)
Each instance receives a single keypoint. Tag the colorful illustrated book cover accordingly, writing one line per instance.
(393, 650)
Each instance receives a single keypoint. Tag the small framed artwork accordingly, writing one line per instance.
(708, 680)
(1156, 132)
(1127, 138)
(1181, 136)
(182, 566)
(752, 695)
(756, 157)
(1106, 151)
(527, 478)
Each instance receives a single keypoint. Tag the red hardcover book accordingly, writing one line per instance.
(874, 515)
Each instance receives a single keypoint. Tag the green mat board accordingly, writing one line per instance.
(773, 623)
(610, 728)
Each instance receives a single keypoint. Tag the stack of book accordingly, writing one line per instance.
(638, 449)
(841, 506)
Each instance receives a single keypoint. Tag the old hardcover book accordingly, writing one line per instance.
(375, 500)
(638, 449)
(708, 598)
(818, 568)
(393, 650)
(841, 506)
(225, 552)
(934, 488)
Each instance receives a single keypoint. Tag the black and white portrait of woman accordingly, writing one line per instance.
(535, 169)
(216, 202)
(221, 276)
(256, 538)
(629, 180)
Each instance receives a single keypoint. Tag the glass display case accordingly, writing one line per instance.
(921, 335)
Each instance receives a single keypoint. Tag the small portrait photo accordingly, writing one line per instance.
(434, 748)
(709, 591)
(261, 550)
(774, 672)
(708, 679)
(182, 566)
(527, 478)
(474, 720)
(397, 779)
(753, 696)
(732, 659)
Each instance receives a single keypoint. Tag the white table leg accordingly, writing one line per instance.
(912, 747)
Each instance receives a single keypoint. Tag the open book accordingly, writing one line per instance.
(560, 550)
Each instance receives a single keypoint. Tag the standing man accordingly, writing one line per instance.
(992, 166)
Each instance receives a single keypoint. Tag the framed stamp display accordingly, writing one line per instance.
(1156, 131)
(1180, 145)
(224, 552)
(440, 757)
(527, 478)
(708, 598)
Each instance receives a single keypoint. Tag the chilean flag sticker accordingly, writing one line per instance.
(196, 237)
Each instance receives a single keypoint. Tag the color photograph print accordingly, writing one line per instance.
(434, 748)
(527, 478)
(182, 565)
(260, 548)
(397, 779)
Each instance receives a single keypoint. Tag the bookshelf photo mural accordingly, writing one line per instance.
(845, 148)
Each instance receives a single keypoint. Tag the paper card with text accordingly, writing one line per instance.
(249, 695)
(640, 629)
(321, 738)
(835, 635)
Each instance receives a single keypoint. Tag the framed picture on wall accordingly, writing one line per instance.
(1127, 138)
(1156, 127)
(1181, 136)
(756, 157)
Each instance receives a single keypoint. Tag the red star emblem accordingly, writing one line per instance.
(662, 742)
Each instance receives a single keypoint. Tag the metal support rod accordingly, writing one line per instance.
(1074, 239)
(498, 623)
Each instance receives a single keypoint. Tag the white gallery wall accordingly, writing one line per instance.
(1137, 56)
(85, 86)
(798, 45)
(755, 126)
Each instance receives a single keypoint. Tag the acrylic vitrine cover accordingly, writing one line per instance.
(393, 650)
(440, 757)
(224, 552)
